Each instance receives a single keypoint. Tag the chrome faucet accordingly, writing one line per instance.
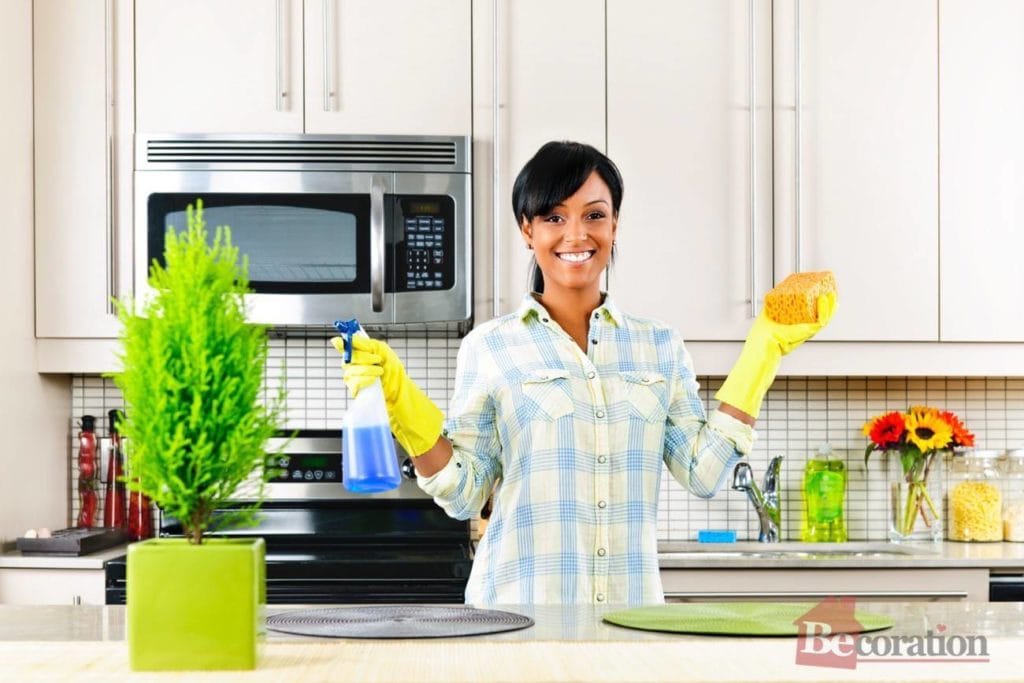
(765, 500)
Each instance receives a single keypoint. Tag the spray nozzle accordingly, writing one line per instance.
(346, 328)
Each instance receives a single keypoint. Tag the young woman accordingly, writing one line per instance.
(570, 406)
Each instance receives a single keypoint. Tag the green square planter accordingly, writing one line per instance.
(195, 607)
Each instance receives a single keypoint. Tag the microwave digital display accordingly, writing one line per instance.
(425, 246)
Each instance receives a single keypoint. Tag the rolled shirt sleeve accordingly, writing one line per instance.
(700, 451)
(462, 486)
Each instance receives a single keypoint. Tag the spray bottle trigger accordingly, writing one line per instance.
(346, 328)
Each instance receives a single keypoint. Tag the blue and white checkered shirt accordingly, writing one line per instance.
(575, 443)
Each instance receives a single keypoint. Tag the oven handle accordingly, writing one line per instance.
(377, 244)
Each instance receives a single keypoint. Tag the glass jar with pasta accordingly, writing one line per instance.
(975, 496)
(1013, 496)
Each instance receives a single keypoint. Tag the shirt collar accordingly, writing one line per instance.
(531, 307)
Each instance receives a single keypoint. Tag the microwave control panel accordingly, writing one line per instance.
(302, 468)
(425, 248)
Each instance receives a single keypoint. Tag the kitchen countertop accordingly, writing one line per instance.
(852, 555)
(567, 643)
(15, 560)
(742, 555)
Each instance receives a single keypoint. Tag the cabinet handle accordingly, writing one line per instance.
(496, 153)
(752, 91)
(815, 595)
(327, 55)
(796, 137)
(279, 92)
(108, 103)
(377, 244)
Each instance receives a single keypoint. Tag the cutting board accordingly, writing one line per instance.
(749, 618)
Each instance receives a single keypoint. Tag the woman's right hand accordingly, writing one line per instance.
(371, 360)
(415, 420)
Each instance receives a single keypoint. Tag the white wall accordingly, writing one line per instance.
(34, 448)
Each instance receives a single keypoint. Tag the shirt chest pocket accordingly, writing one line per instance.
(547, 395)
(645, 394)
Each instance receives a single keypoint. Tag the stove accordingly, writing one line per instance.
(326, 545)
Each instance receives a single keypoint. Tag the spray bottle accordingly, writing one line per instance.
(368, 460)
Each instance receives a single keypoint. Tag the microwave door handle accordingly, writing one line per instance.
(377, 244)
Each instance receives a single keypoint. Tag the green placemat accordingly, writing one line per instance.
(748, 618)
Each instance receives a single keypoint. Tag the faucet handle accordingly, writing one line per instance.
(771, 475)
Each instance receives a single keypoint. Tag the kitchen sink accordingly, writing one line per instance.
(796, 551)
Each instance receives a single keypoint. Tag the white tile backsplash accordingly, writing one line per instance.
(798, 415)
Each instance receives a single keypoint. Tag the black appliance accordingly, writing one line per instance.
(326, 545)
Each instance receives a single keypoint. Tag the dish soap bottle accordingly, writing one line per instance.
(824, 492)
(368, 460)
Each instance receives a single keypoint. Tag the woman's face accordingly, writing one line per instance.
(573, 243)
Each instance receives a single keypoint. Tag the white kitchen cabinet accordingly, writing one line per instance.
(546, 93)
(858, 194)
(787, 585)
(52, 586)
(981, 164)
(313, 66)
(82, 117)
(695, 233)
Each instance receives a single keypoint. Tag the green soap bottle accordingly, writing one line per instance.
(824, 493)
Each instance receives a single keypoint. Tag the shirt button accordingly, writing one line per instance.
(596, 316)
(601, 552)
(593, 341)
(601, 504)
(600, 597)
(602, 458)
(591, 375)
(544, 320)
(600, 414)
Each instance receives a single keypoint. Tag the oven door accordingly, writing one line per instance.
(316, 241)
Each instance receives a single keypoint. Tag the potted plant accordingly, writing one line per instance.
(191, 376)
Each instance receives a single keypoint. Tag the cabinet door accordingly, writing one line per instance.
(389, 67)
(546, 94)
(75, 233)
(864, 183)
(694, 237)
(982, 170)
(208, 66)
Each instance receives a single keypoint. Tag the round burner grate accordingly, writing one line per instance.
(396, 621)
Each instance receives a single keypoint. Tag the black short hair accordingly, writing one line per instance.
(555, 173)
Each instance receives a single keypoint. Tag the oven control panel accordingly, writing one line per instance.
(305, 468)
(426, 246)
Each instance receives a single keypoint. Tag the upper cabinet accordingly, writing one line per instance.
(982, 169)
(689, 125)
(313, 66)
(547, 89)
(856, 160)
(755, 142)
(82, 117)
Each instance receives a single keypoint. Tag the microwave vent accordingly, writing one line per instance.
(324, 152)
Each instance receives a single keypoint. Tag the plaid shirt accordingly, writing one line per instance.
(575, 443)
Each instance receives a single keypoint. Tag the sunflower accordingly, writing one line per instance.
(885, 430)
(961, 436)
(927, 430)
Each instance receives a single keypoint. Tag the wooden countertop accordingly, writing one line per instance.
(567, 644)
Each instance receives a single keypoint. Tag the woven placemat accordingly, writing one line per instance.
(749, 618)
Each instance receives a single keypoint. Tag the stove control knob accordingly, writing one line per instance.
(408, 469)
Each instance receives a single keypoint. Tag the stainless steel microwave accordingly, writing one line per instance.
(333, 226)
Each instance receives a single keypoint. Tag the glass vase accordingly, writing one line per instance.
(916, 488)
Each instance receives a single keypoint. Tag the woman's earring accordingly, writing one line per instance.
(530, 247)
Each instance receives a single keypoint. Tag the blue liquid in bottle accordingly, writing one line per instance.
(376, 467)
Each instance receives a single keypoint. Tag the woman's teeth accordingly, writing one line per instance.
(576, 257)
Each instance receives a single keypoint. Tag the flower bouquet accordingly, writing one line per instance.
(916, 442)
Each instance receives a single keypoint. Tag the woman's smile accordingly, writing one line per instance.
(576, 256)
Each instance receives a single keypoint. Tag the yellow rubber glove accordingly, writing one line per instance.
(415, 420)
(767, 342)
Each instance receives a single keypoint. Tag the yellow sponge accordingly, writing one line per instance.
(795, 299)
